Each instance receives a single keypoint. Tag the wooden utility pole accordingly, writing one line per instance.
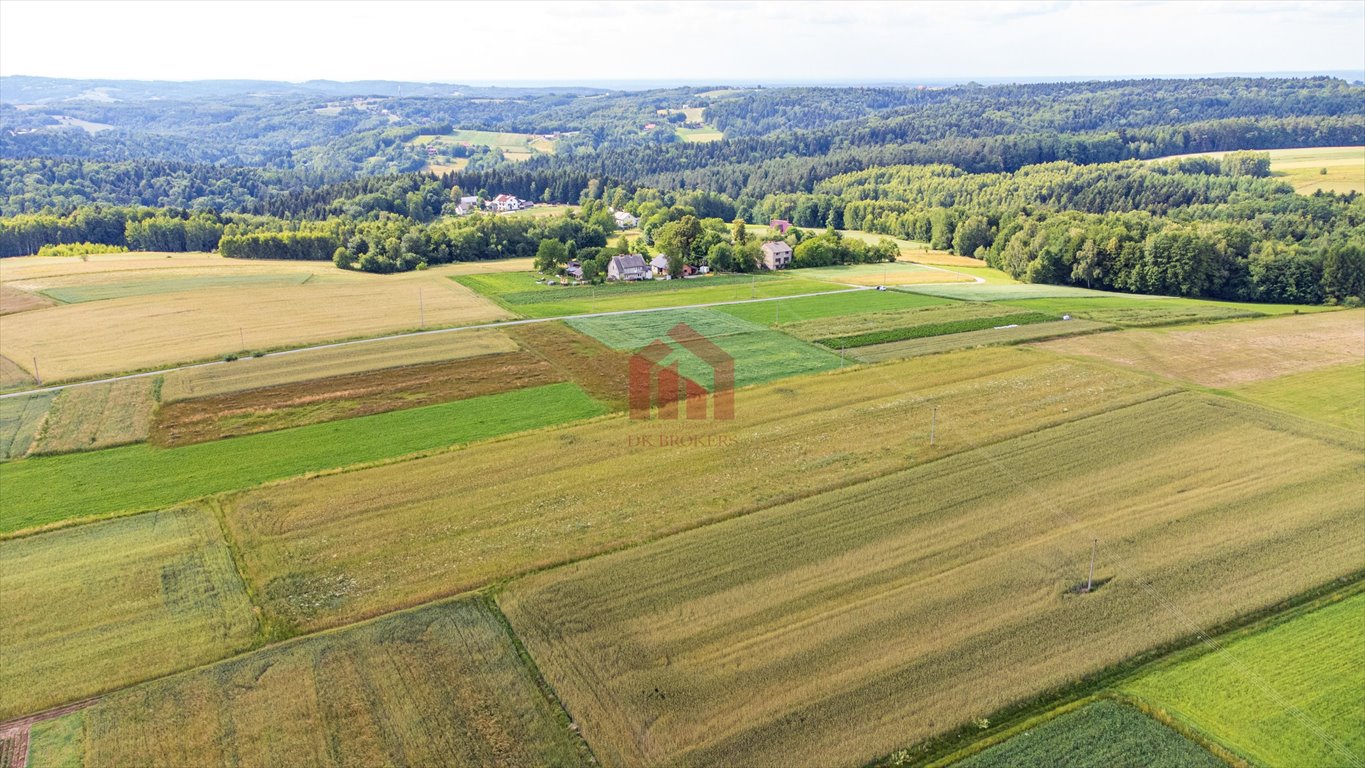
(36, 377)
(241, 336)
(1090, 581)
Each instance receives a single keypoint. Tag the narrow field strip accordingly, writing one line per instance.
(44, 490)
(103, 416)
(21, 419)
(933, 345)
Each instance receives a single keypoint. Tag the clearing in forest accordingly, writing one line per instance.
(841, 627)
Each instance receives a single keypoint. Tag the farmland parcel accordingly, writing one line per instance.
(840, 627)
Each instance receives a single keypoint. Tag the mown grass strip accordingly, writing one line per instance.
(46, 490)
(934, 329)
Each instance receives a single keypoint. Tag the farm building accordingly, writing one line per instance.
(574, 269)
(776, 255)
(467, 204)
(659, 266)
(781, 225)
(628, 266)
(505, 203)
(624, 220)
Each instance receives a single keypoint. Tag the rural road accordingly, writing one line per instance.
(457, 329)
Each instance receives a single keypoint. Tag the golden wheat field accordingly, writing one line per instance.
(325, 550)
(838, 628)
(1231, 354)
(140, 332)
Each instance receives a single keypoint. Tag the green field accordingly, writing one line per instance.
(1137, 312)
(1286, 696)
(97, 607)
(515, 146)
(787, 311)
(933, 311)
(1304, 168)
(1334, 395)
(933, 345)
(411, 531)
(439, 686)
(520, 293)
(1002, 291)
(158, 284)
(1104, 734)
(99, 416)
(760, 354)
(21, 417)
(846, 625)
(926, 330)
(45, 490)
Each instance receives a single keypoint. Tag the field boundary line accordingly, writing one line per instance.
(432, 332)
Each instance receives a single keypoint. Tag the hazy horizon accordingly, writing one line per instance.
(736, 43)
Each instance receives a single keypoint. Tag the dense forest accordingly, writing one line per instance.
(1050, 182)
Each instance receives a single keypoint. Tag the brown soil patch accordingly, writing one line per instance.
(14, 300)
(345, 397)
(600, 370)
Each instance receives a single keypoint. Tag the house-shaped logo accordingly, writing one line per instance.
(660, 390)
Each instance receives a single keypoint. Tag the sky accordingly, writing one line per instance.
(741, 43)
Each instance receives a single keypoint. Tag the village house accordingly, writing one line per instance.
(574, 269)
(624, 220)
(628, 266)
(776, 255)
(467, 205)
(659, 265)
(781, 225)
(503, 203)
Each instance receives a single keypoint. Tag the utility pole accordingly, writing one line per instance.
(36, 377)
(241, 336)
(753, 286)
(1090, 581)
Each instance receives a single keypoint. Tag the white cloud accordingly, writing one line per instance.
(710, 42)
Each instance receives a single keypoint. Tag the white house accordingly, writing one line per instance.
(628, 266)
(776, 255)
(625, 220)
(659, 265)
(467, 204)
(503, 203)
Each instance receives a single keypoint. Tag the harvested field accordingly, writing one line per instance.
(14, 300)
(844, 626)
(345, 397)
(441, 686)
(760, 354)
(99, 416)
(140, 332)
(1235, 353)
(21, 419)
(601, 371)
(1333, 395)
(24, 268)
(408, 532)
(1002, 291)
(933, 345)
(98, 607)
(1104, 734)
(1286, 696)
(45, 490)
(786, 312)
(306, 365)
(75, 290)
(12, 375)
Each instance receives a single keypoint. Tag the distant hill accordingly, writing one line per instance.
(22, 89)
